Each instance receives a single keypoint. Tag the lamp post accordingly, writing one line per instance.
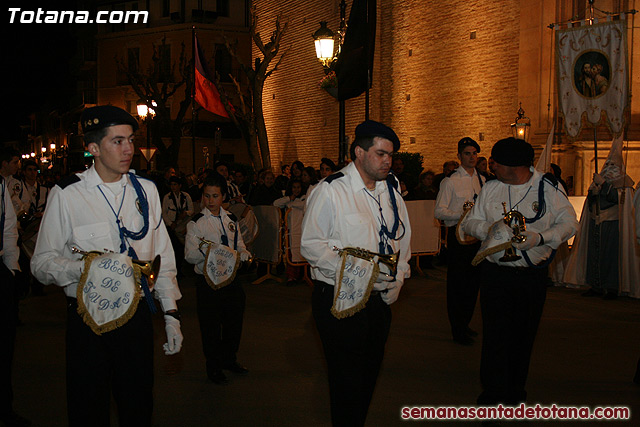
(145, 112)
(521, 126)
(327, 53)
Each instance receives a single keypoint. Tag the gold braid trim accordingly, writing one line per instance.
(356, 308)
(82, 308)
(470, 239)
(226, 282)
(481, 256)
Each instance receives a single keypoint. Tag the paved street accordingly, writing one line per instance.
(585, 354)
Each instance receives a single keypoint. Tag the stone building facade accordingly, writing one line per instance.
(442, 70)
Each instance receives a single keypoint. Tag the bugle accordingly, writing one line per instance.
(148, 268)
(517, 228)
(204, 241)
(390, 260)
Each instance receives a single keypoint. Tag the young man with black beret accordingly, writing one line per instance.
(108, 208)
(513, 289)
(358, 207)
(458, 190)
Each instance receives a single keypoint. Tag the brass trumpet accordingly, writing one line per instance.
(148, 268)
(390, 260)
(518, 228)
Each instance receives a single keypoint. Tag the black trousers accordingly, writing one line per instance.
(354, 348)
(220, 314)
(512, 300)
(462, 283)
(118, 362)
(8, 323)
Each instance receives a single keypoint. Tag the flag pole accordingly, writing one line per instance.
(595, 126)
(193, 95)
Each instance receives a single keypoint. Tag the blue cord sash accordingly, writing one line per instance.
(127, 234)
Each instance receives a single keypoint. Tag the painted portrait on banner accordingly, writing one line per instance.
(592, 76)
(591, 73)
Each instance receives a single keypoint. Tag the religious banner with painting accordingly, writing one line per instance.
(592, 75)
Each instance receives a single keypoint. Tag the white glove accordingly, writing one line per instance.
(533, 239)
(392, 292)
(174, 336)
(244, 256)
(383, 282)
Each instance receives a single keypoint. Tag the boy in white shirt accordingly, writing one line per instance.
(220, 305)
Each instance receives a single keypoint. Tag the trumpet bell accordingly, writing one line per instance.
(151, 269)
(390, 260)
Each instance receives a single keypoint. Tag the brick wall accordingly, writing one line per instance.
(432, 82)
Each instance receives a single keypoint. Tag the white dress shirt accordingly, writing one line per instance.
(172, 205)
(557, 225)
(14, 187)
(33, 195)
(455, 190)
(210, 227)
(79, 215)
(343, 213)
(9, 252)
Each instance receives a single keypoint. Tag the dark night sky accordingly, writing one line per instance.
(35, 68)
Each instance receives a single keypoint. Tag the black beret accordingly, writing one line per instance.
(96, 118)
(371, 128)
(467, 142)
(220, 163)
(512, 152)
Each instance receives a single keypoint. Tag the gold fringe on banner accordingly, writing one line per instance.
(82, 308)
(490, 251)
(356, 308)
(226, 282)
(468, 240)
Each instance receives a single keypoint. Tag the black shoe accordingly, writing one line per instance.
(236, 368)
(610, 295)
(592, 293)
(218, 377)
(471, 332)
(463, 339)
(14, 420)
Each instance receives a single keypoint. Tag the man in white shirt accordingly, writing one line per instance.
(8, 302)
(513, 289)
(9, 166)
(460, 188)
(358, 207)
(108, 208)
(32, 194)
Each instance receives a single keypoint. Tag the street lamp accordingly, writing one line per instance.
(521, 126)
(324, 40)
(146, 114)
